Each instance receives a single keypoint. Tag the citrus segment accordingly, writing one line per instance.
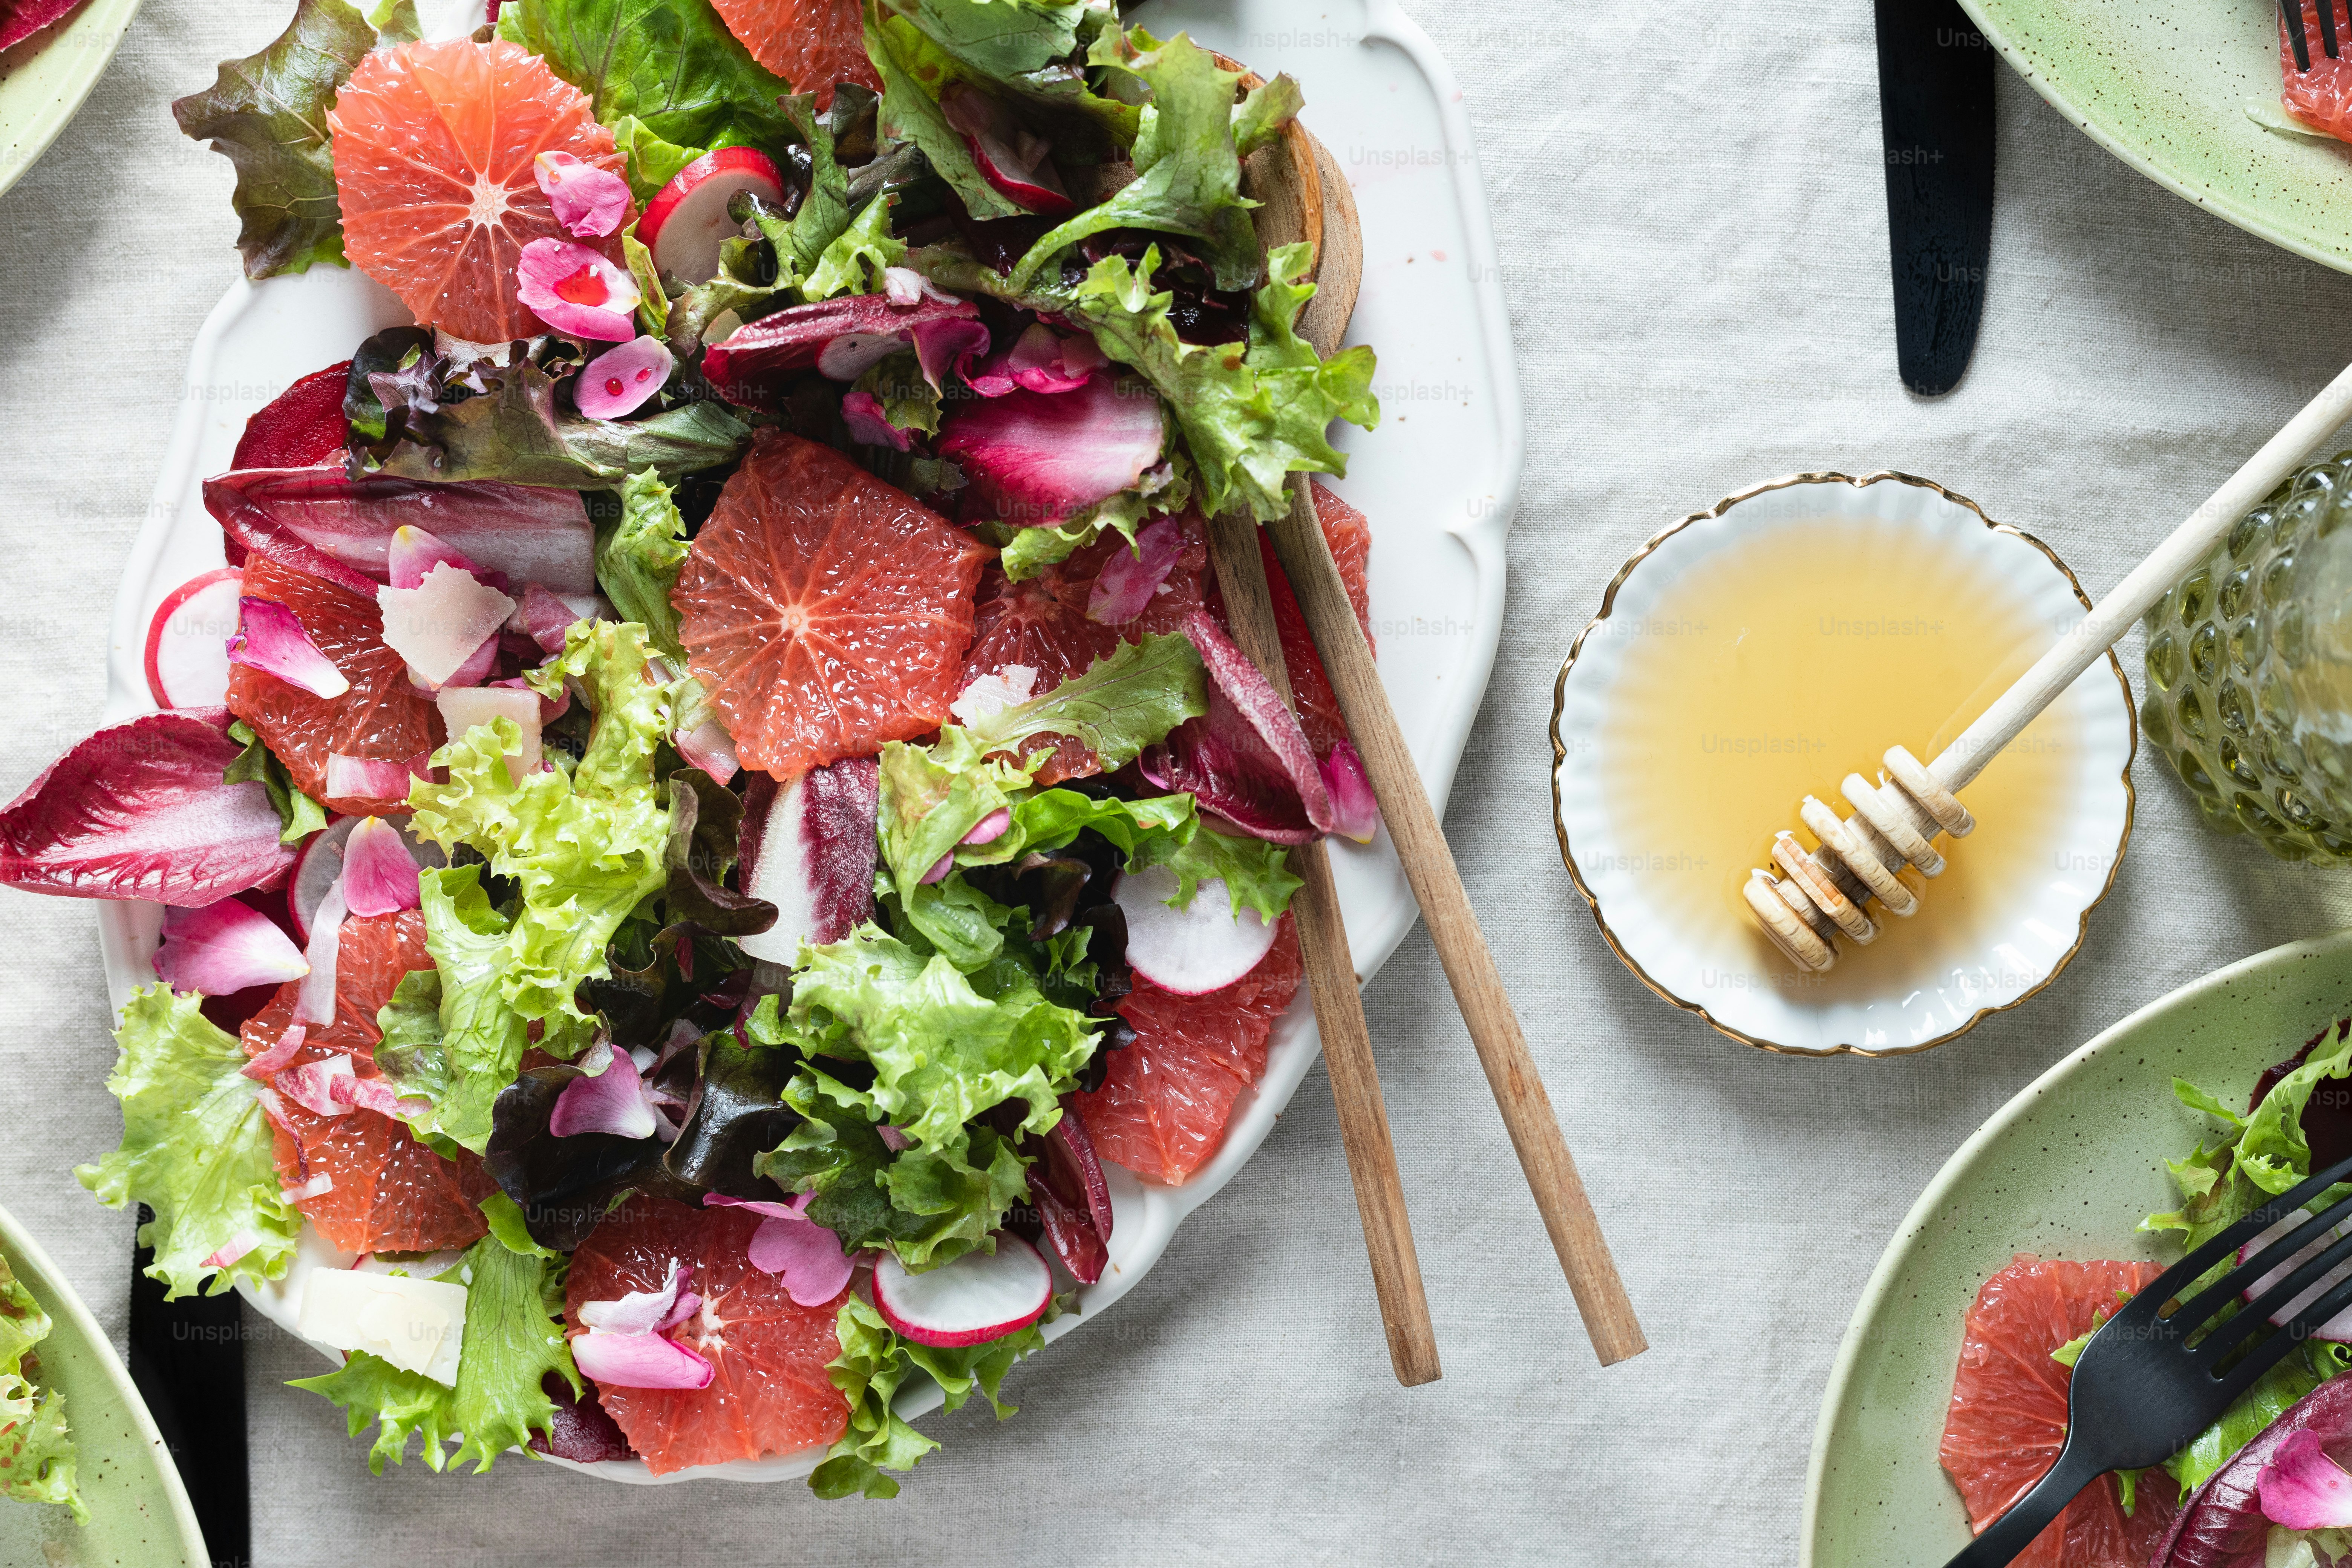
(1041, 623)
(769, 1393)
(1166, 1098)
(812, 44)
(434, 147)
(382, 718)
(2321, 96)
(2008, 1416)
(825, 611)
(391, 1193)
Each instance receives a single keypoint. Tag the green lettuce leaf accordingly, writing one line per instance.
(1125, 701)
(853, 262)
(513, 1341)
(38, 1460)
(913, 69)
(638, 555)
(652, 162)
(267, 113)
(909, 401)
(582, 848)
(2304, 1369)
(1002, 39)
(1026, 552)
(672, 65)
(873, 1363)
(1188, 165)
(196, 1149)
(299, 815)
(514, 432)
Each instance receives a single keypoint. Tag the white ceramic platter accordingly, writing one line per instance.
(1439, 479)
(1680, 930)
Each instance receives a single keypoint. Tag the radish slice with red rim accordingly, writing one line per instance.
(978, 1296)
(686, 220)
(1201, 948)
(187, 641)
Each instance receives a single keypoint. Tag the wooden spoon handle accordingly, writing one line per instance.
(1429, 865)
(1338, 1008)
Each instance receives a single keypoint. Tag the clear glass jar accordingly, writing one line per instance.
(2250, 671)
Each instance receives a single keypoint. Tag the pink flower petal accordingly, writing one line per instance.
(708, 746)
(2302, 1488)
(940, 346)
(808, 1256)
(587, 200)
(277, 1058)
(1355, 810)
(316, 1005)
(225, 947)
(868, 427)
(270, 640)
(613, 1100)
(311, 1086)
(1124, 587)
(618, 381)
(639, 1361)
(940, 869)
(577, 291)
(642, 1311)
(1043, 361)
(379, 872)
(760, 1205)
(413, 553)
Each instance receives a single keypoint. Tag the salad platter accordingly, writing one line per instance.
(640, 1146)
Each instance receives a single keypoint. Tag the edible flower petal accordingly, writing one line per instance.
(1124, 587)
(379, 873)
(577, 291)
(638, 1360)
(613, 1100)
(270, 640)
(1355, 810)
(618, 382)
(413, 553)
(646, 1311)
(788, 1243)
(587, 200)
(952, 344)
(2302, 1488)
(224, 947)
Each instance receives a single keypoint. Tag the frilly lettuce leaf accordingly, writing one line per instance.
(267, 113)
(652, 162)
(583, 848)
(38, 1458)
(638, 555)
(196, 1148)
(512, 1343)
(670, 64)
(853, 262)
(914, 68)
(872, 1364)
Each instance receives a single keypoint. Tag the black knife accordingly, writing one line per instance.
(188, 1359)
(1935, 111)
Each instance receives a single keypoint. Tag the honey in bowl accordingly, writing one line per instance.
(1790, 657)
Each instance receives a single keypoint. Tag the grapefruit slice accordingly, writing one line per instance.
(2008, 1417)
(391, 1193)
(381, 719)
(769, 1393)
(2321, 96)
(812, 44)
(434, 148)
(825, 612)
(1165, 1099)
(1041, 623)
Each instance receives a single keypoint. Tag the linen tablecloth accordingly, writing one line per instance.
(1693, 243)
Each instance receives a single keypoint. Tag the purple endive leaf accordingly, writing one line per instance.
(228, 1252)
(1355, 810)
(587, 201)
(943, 346)
(1014, 160)
(2302, 1488)
(613, 1101)
(270, 640)
(1124, 587)
(319, 521)
(642, 1311)
(376, 1094)
(379, 872)
(365, 778)
(277, 1058)
(618, 382)
(224, 947)
(316, 1003)
(548, 616)
(577, 291)
(638, 1360)
(23, 19)
(1043, 361)
(139, 810)
(869, 426)
(841, 337)
(895, 1140)
(1247, 760)
(1033, 458)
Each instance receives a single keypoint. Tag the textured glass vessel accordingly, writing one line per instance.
(2250, 671)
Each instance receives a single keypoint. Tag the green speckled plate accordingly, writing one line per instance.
(45, 79)
(138, 1513)
(2165, 86)
(2067, 1169)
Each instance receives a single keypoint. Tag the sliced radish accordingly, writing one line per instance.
(187, 651)
(1200, 948)
(1010, 157)
(980, 1296)
(686, 220)
(465, 708)
(2337, 1328)
(809, 849)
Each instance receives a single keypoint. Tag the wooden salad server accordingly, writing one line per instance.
(1304, 196)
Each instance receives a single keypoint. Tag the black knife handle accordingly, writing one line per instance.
(1935, 116)
(187, 1358)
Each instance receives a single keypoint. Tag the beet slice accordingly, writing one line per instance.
(2327, 1120)
(580, 1431)
(302, 427)
(139, 811)
(841, 338)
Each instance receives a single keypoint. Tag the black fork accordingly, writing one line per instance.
(2291, 13)
(2162, 1370)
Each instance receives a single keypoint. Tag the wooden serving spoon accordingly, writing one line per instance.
(1305, 197)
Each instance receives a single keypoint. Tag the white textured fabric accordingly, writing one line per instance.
(1693, 242)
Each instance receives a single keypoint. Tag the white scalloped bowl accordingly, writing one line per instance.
(1915, 986)
(1441, 487)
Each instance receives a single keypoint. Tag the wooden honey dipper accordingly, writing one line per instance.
(1824, 893)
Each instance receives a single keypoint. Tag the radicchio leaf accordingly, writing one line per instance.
(318, 522)
(841, 337)
(1036, 458)
(1246, 759)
